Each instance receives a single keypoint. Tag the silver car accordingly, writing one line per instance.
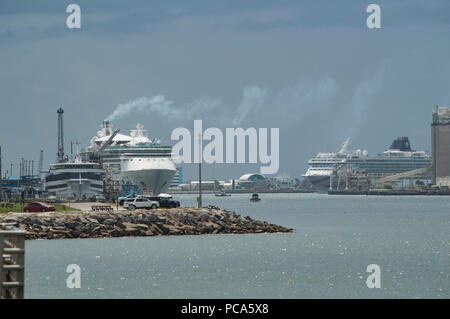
(142, 202)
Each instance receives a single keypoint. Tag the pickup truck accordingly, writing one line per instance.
(164, 202)
(142, 202)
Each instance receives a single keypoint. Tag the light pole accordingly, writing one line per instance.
(199, 198)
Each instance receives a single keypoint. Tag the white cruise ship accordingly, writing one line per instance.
(134, 159)
(75, 179)
(398, 158)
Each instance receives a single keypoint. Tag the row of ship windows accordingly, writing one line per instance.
(166, 151)
(78, 166)
(57, 177)
(65, 185)
(402, 164)
(148, 159)
(402, 160)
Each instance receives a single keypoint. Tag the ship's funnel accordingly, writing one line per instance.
(107, 126)
(401, 144)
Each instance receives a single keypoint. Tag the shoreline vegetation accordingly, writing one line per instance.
(156, 222)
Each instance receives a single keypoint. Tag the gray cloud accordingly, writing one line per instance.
(317, 66)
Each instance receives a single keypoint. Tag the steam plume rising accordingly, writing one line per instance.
(253, 97)
(159, 104)
(365, 95)
(287, 105)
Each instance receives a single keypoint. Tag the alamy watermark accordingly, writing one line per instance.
(189, 148)
(374, 279)
(73, 21)
(74, 279)
(374, 19)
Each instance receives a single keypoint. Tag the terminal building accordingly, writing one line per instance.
(440, 146)
(252, 182)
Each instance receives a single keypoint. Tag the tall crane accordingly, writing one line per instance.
(108, 142)
(95, 155)
(60, 153)
(41, 161)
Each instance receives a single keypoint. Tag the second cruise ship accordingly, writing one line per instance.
(398, 158)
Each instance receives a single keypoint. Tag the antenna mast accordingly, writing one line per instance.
(60, 153)
(199, 199)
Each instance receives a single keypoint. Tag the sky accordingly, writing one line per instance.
(313, 69)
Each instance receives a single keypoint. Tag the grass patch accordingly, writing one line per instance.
(10, 207)
(18, 207)
(64, 208)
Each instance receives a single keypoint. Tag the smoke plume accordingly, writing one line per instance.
(287, 105)
(253, 97)
(365, 95)
(159, 104)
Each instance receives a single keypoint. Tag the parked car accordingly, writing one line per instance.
(52, 199)
(100, 198)
(127, 201)
(169, 203)
(142, 202)
(164, 201)
(122, 199)
(38, 207)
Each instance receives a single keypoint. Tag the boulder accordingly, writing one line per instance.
(176, 221)
(109, 221)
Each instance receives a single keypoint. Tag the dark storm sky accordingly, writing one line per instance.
(316, 72)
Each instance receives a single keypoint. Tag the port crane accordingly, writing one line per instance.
(108, 142)
(95, 156)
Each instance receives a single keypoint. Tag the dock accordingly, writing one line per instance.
(392, 192)
(12, 263)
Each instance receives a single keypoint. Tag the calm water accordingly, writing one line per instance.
(335, 238)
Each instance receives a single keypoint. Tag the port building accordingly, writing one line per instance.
(440, 146)
(252, 181)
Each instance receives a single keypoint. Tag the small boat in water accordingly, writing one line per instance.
(222, 194)
(255, 198)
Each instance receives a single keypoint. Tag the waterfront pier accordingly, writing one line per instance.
(12, 261)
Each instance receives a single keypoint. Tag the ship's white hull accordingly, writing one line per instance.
(152, 175)
(75, 188)
(153, 180)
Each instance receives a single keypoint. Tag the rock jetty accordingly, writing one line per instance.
(157, 222)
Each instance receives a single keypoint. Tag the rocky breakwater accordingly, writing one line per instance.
(157, 222)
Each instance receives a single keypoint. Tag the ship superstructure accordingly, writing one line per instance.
(133, 159)
(75, 179)
(72, 178)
